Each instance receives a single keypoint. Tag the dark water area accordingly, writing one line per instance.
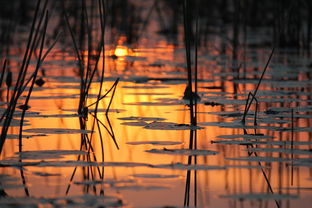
(132, 103)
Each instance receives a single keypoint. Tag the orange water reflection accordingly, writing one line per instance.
(210, 184)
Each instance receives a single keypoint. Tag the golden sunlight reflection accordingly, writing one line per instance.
(55, 106)
(121, 51)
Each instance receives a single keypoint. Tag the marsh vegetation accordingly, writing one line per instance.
(132, 103)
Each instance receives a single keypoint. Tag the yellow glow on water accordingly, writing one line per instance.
(121, 51)
(127, 97)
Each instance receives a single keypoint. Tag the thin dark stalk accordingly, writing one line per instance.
(196, 65)
(24, 182)
(11, 108)
(189, 173)
(42, 60)
(102, 148)
(195, 115)
(33, 48)
(112, 131)
(111, 100)
(195, 171)
(80, 62)
(263, 173)
(103, 24)
(8, 83)
(247, 107)
(187, 41)
(292, 147)
(98, 100)
(33, 82)
(109, 131)
(3, 71)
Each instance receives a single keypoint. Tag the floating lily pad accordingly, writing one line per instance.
(231, 142)
(155, 143)
(111, 182)
(16, 136)
(154, 176)
(14, 162)
(160, 103)
(142, 187)
(47, 154)
(260, 159)
(149, 93)
(282, 150)
(53, 97)
(260, 196)
(135, 123)
(142, 118)
(180, 166)
(57, 131)
(182, 152)
(145, 87)
(44, 174)
(58, 116)
(15, 122)
(245, 136)
(170, 126)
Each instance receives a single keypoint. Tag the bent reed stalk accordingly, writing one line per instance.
(20, 82)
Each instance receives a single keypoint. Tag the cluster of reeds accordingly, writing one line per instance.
(89, 52)
(35, 42)
(190, 94)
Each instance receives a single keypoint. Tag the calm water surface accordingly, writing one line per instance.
(148, 169)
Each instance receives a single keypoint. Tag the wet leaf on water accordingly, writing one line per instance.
(155, 143)
(266, 121)
(89, 182)
(283, 143)
(15, 122)
(62, 96)
(180, 166)
(111, 182)
(87, 200)
(155, 176)
(23, 107)
(57, 131)
(182, 152)
(57, 116)
(239, 125)
(231, 142)
(145, 87)
(231, 114)
(47, 154)
(260, 159)
(170, 126)
(244, 166)
(211, 103)
(282, 150)
(16, 136)
(7, 178)
(142, 118)
(69, 163)
(296, 188)
(10, 186)
(100, 110)
(149, 93)
(135, 123)
(18, 164)
(260, 196)
(245, 136)
(142, 187)
(44, 174)
(167, 103)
